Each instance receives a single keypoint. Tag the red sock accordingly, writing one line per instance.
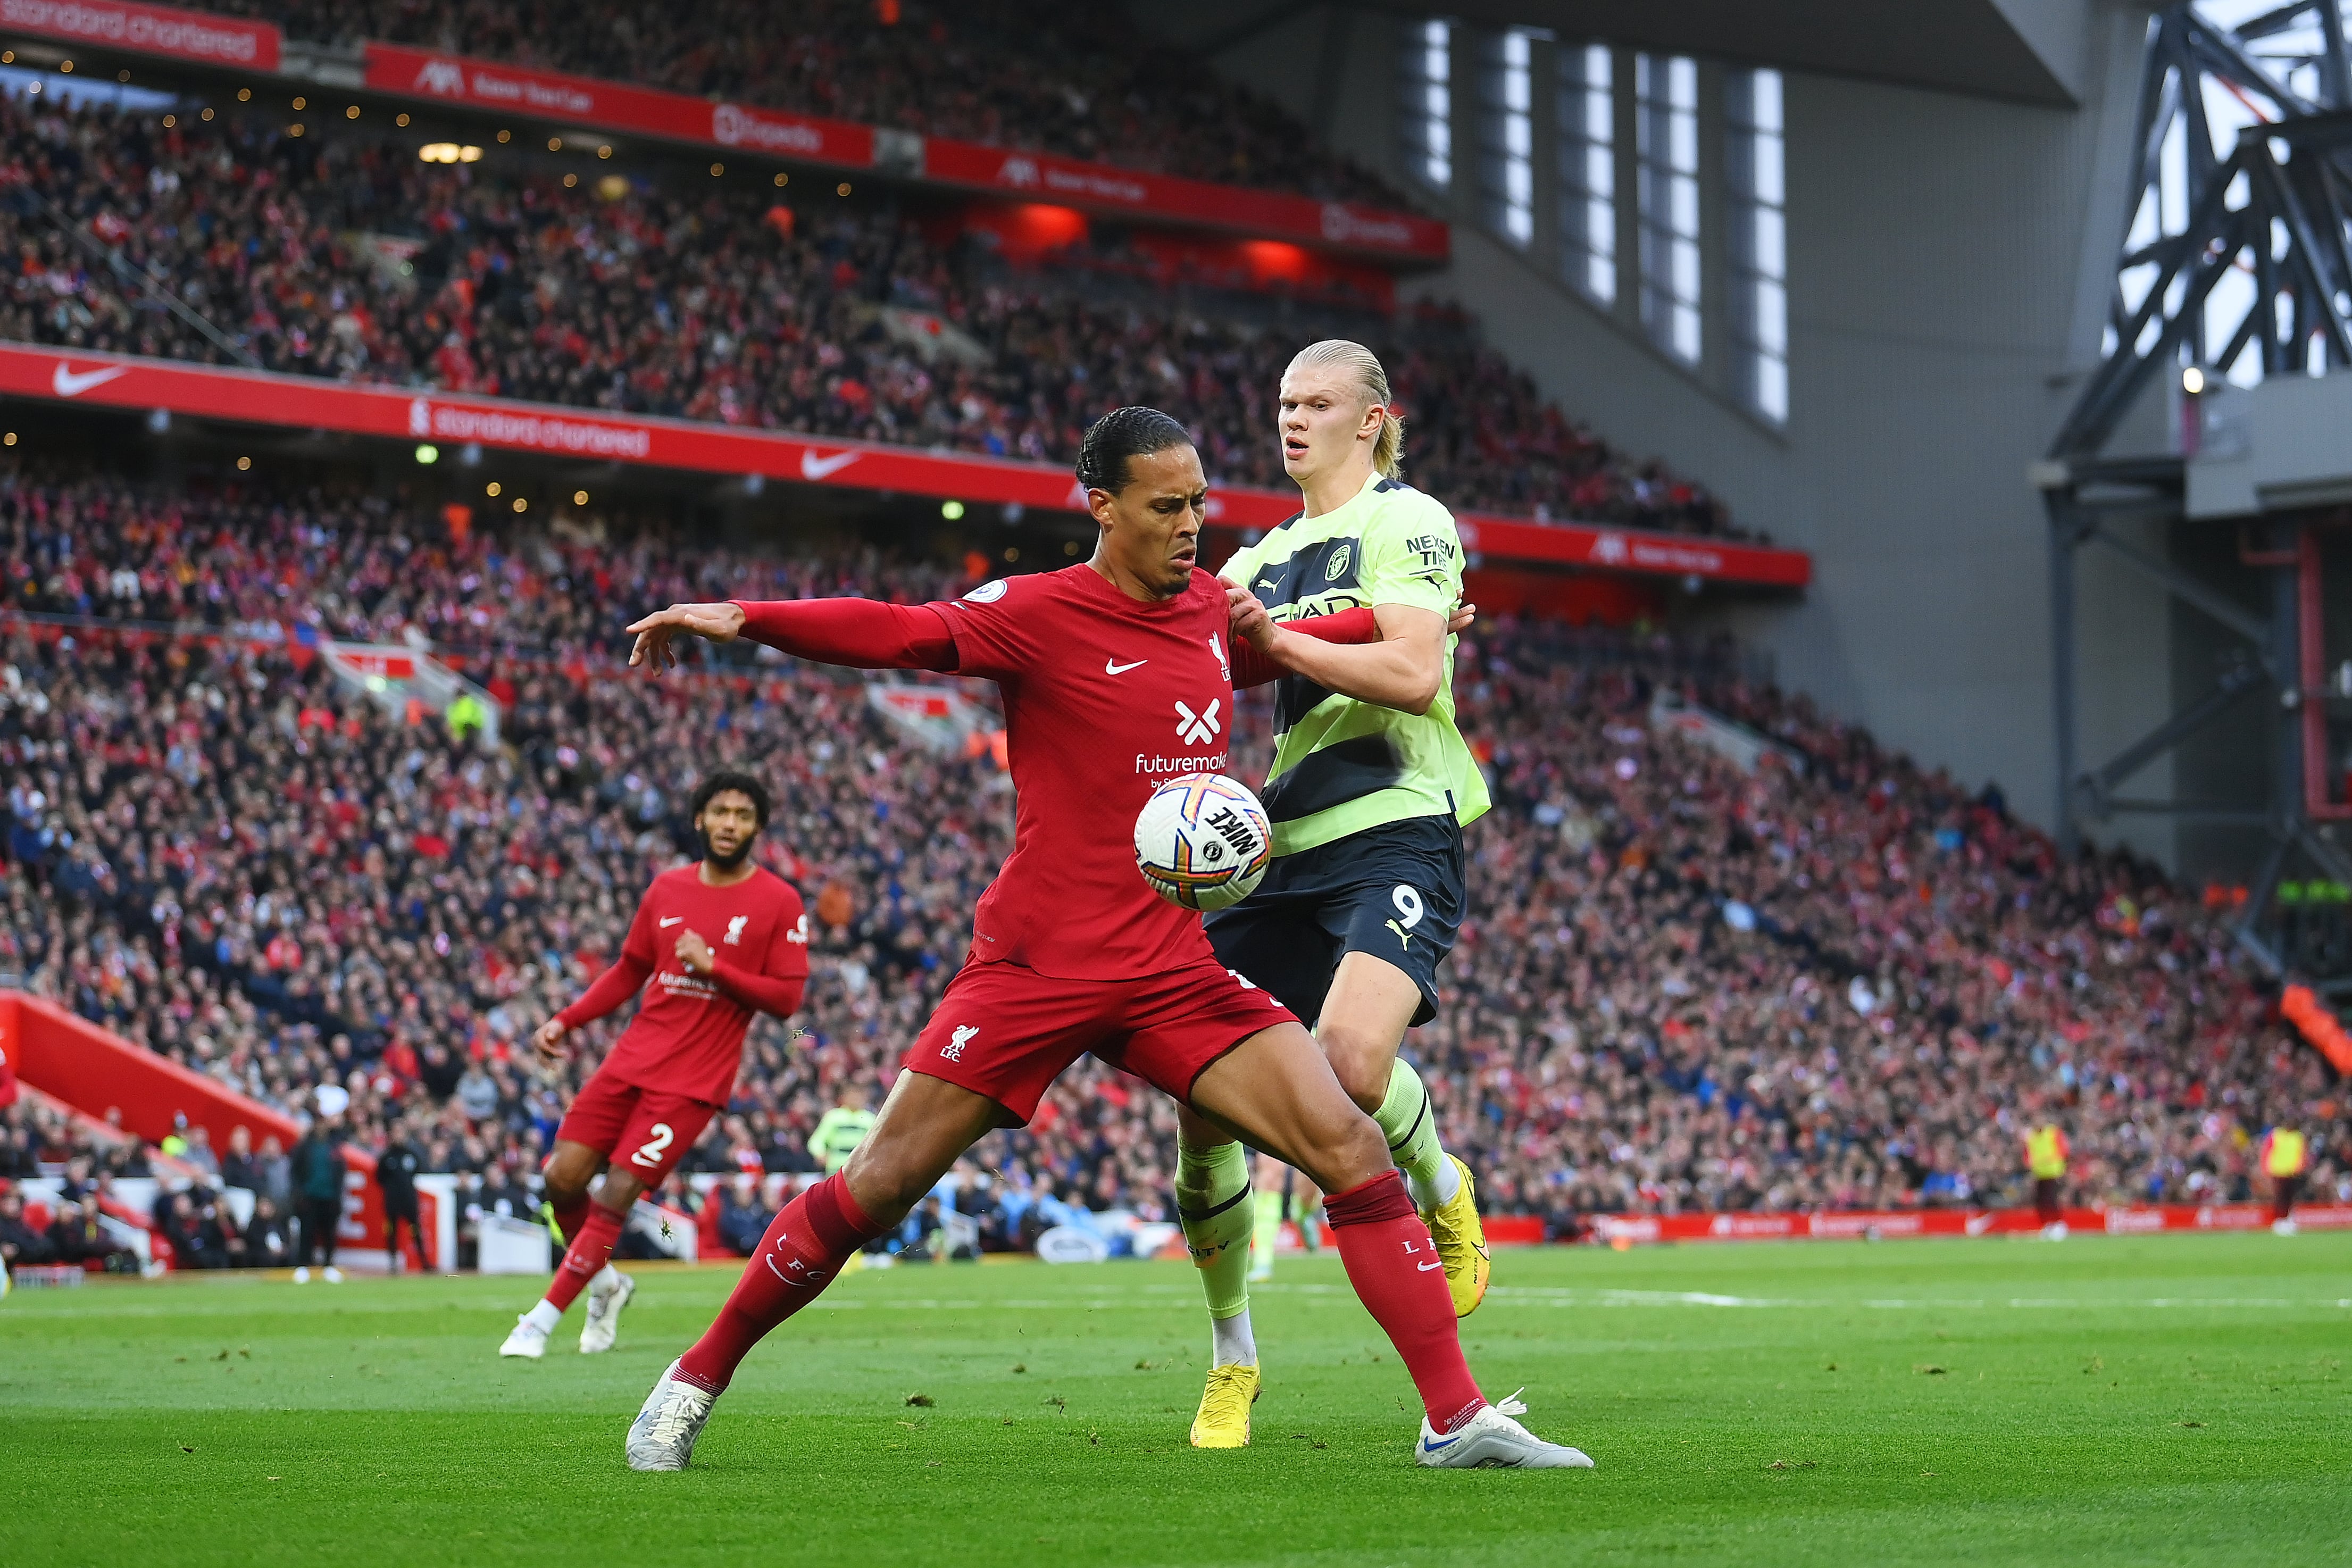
(1392, 1264)
(571, 1217)
(804, 1250)
(590, 1250)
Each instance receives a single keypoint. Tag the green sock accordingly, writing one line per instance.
(1212, 1193)
(1409, 1123)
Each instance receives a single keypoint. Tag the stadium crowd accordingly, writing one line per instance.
(342, 256)
(1836, 981)
(1071, 80)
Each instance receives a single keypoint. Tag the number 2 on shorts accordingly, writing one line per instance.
(650, 1156)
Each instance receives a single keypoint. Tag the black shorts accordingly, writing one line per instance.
(1395, 891)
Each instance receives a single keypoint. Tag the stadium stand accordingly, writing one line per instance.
(342, 256)
(1012, 73)
(1692, 980)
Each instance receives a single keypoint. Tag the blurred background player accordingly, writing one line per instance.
(1072, 952)
(2284, 1156)
(2045, 1162)
(720, 940)
(1370, 787)
(317, 1176)
(839, 1131)
(396, 1164)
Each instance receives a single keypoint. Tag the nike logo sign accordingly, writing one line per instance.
(815, 468)
(70, 383)
(1112, 666)
(1425, 1268)
(673, 920)
(1432, 1445)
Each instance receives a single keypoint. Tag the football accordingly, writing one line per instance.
(1203, 841)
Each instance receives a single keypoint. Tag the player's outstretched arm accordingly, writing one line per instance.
(862, 634)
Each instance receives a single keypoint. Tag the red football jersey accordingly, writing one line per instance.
(1106, 698)
(687, 1036)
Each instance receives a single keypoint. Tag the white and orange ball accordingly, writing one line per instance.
(1203, 841)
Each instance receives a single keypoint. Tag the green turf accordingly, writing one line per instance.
(2150, 1400)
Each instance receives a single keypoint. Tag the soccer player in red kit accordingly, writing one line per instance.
(1117, 674)
(720, 940)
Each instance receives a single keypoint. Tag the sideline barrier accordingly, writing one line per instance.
(96, 1071)
(314, 402)
(1894, 1224)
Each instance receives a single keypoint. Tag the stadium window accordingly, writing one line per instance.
(1666, 98)
(1426, 117)
(1506, 135)
(1587, 171)
(1759, 241)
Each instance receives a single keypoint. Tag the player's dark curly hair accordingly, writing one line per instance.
(743, 784)
(1122, 433)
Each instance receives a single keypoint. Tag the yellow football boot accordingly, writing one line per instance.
(1224, 1418)
(1461, 1242)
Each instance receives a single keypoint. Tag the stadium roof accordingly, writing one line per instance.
(2024, 50)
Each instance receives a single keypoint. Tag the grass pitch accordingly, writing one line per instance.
(2145, 1400)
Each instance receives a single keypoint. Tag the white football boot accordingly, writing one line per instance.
(606, 1300)
(1492, 1440)
(334, 1275)
(662, 1436)
(303, 1274)
(528, 1339)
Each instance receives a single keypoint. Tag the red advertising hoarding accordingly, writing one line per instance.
(262, 397)
(148, 31)
(551, 95)
(1036, 177)
(1101, 188)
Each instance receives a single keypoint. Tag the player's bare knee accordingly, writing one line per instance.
(1360, 1062)
(1345, 1154)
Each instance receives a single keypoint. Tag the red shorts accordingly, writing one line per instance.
(1006, 1031)
(644, 1132)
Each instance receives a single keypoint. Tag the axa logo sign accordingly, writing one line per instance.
(1021, 172)
(1610, 549)
(444, 78)
(1198, 729)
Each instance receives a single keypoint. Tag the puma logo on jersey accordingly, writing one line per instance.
(735, 930)
(1197, 729)
(1401, 935)
(953, 1050)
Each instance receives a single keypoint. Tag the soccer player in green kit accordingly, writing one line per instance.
(1368, 793)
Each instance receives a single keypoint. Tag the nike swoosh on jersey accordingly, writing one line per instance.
(815, 468)
(70, 383)
(1425, 1268)
(1112, 666)
(673, 920)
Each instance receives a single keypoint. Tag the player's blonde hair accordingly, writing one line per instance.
(1364, 366)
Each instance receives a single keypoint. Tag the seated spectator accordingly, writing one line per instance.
(739, 1214)
(241, 1168)
(19, 1242)
(194, 1231)
(269, 1238)
(79, 1237)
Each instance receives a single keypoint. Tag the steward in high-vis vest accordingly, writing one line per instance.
(2285, 1156)
(2045, 1160)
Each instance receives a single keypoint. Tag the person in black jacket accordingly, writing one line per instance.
(318, 1179)
(395, 1173)
(268, 1240)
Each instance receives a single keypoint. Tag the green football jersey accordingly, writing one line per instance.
(1340, 766)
